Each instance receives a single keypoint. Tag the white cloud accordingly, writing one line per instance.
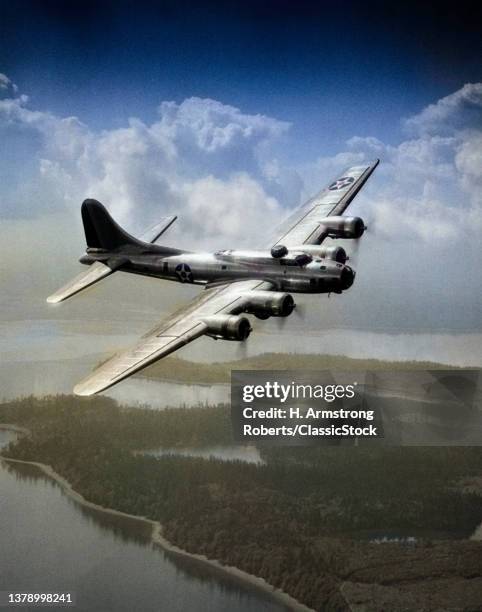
(468, 162)
(458, 110)
(214, 126)
(219, 169)
(200, 157)
(236, 210)
(6, 83)
(210, 160)
(205, 159)
(430, 185)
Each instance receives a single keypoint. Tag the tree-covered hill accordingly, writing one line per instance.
(174, 368)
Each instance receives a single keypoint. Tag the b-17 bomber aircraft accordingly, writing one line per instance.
(236, 282)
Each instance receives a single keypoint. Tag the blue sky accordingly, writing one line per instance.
(229, 114)
(332, 69)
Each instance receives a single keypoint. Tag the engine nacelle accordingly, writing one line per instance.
(228, 327)
(343, 227)
(266, 304)
(335, 253)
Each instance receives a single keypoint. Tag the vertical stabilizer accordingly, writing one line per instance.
(101, 231)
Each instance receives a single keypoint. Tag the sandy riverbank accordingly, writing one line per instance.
(158, 537)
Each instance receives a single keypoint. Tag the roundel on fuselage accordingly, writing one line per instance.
(184, 274)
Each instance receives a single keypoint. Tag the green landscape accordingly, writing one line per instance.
(301, 520)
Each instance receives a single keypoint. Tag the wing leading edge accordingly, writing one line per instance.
(179, 329)
(304, 225)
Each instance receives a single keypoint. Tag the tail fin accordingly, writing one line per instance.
(101, 231)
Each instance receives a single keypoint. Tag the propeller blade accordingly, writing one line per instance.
(281, 322)
(242, 350)
(300, 310)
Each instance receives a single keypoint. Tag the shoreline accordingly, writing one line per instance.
(14, 428)
(180, 381)
(158, 538)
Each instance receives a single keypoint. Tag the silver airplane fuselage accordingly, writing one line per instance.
(313, 275)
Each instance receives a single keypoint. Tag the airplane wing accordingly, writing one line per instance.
(182, 327)
(303, 225)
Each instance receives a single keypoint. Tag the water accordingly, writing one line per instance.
(247, 453)
(65, 339)
(53, 377)
(6, 437)
(49, 542)
(42, 356)
(159, 395)
(49, 356)
(477, 535)
(406, 537)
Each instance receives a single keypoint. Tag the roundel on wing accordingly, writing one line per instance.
(184, 274)
(341, 183)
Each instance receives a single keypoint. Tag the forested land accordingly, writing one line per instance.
(296, 521)
(175, 369)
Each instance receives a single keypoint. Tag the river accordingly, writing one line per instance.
(50, 542)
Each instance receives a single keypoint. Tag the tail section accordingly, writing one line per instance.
(103, 234)
(101, 231)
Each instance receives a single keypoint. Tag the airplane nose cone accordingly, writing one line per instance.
(347, 278)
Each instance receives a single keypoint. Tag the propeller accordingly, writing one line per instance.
(241, 350)
(299, 311)
(354, 249)
(281, 322)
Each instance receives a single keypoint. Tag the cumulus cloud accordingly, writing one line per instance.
(423, 208)
(200, 157)
(213, 164)
(215, 126)
(219, 170)
(429, 186)
(456, 111)
(229, 209)
(6, 84)
(468, 162)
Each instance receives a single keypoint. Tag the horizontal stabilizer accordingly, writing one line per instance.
(156, 231)
(94, 273)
